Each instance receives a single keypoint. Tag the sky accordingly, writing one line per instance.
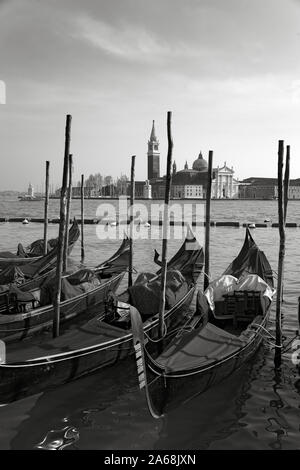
(229, 70)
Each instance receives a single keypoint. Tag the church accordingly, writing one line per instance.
(188, 183)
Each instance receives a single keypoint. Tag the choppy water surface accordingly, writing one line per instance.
(256, 408)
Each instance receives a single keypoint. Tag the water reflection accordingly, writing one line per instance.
(59, 439)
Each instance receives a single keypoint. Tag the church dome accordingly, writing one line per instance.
(200, 164)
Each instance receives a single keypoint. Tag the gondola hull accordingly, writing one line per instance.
(172, 389)
(230, 334)
(15, 327)
(32, 376)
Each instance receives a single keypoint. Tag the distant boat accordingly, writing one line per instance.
(30, 198)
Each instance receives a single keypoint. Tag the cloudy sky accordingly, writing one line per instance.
(229, 70)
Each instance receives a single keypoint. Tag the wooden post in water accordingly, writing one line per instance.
(286, 183)
(82, 218)
(69, 199)
(132, 194)
(62, 228)
(165, 228)
(282, 208)
(207, 218)
(46, 207)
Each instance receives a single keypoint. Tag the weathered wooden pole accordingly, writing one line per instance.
(207, 218)
(132, 194)
(69, 199)
(62, 228)
(82, 217)
(46, 207)
(281, 224)
(165, 228)
(286, 183)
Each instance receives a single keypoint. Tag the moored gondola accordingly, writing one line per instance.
(103, 340)
(32, 257)
(29, 312)
(234, 310)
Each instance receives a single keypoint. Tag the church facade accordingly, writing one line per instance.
(188, 183)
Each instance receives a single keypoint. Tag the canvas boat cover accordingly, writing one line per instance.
(145, 294)
(12, 274)
(85, 280)
(199, 348)
(37, 247)
(227, 284)
(75, 284)
(251, 260)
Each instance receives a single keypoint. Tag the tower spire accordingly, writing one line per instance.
(153, 155)
(153, 137)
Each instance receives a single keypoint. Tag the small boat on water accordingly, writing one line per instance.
(33, 254)
(107, 338)
(235, 310)
(23, 314)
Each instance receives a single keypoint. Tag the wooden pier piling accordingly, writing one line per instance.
(82, 217)
(207, 219)
(46, 208)
(69, 199)
(165, 228)
(282, 211)
(132, 192)
(62, 228)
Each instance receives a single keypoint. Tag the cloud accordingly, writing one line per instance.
(126, 41)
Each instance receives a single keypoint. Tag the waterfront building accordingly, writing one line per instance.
(224, 185)
(266, 188)
(30, 191)
(188, 183)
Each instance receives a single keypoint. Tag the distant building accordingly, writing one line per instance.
(293, 191)
(224, 185)
(257, 188)
(30, 191)
(188, 183)
(76, 192)
(266, 188)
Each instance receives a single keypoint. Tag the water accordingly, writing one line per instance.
(256, 408)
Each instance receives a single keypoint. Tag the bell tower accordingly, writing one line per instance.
(153, 155)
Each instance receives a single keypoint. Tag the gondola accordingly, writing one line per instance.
(29, 267)
(26, 313)
(105, 339)
(31, 276)
(234, 311)
(26, 254)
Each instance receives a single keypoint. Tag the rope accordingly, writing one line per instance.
(157, 340)
(205, 274)
(260, 327)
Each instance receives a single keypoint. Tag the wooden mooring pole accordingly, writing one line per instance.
(165, 229)
(82, 217)
(207, 219)
(62, 228)
(282, 211)
(132, 193)
(69, 199)
(46, 207)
